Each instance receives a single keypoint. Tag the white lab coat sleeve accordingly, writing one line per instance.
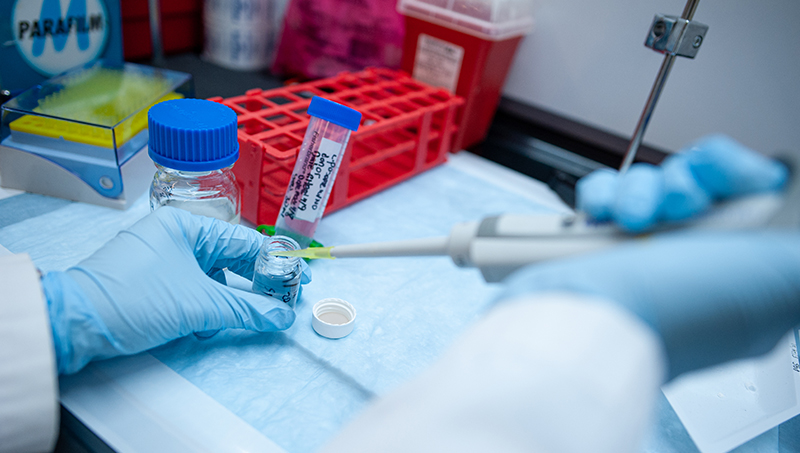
(28, 378)
(554, 372)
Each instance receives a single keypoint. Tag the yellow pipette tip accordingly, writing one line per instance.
(312, 253)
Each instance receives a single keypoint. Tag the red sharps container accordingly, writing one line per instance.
(465, 46)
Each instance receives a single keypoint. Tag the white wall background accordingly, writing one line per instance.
(586, 60)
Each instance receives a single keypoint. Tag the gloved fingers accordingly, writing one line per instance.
(639, 197)
(715, 167)
(632, 200)
(305, 275)
(683, 196)
(596, 192)
(725, 168)
(218, 244)
(239, 309)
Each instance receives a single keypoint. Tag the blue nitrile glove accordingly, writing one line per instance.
(713, 168)
(711, 297)
(150, 285)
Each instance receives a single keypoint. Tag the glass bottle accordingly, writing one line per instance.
(194, 144)
(278, 276)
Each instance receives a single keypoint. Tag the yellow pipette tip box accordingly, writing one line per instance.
(87, 124)
(89, 134)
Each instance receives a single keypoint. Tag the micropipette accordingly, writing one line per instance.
(496, 245)
(502, 244)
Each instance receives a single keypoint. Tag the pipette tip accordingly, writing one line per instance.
(313, 253)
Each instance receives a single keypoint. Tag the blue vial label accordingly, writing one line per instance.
(278, 276)
(313, 186)
(283, 288)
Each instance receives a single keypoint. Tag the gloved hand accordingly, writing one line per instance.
(711, 297)
(150, 285)
(713, 168)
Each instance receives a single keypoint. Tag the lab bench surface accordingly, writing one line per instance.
(190, 376)
(247, 391)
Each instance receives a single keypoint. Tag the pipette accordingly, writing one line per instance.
(499, 245)
(496, 245)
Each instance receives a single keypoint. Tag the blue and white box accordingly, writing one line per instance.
(43, 38)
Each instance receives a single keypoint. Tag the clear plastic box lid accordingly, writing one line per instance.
(92, 119)
(493, 20)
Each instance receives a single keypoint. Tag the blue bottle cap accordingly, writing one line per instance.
(335, 113)
(192, 135)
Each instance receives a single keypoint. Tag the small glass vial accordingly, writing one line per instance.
(194, 144)
(315, 170)
(278, 276)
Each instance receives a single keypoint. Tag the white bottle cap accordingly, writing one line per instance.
(333, 318)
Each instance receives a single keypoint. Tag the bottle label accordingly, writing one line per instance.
(438, 62)
(319, 176)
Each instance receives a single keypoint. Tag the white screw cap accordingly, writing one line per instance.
(333, 318)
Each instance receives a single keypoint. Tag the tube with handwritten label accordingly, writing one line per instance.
(315, 170)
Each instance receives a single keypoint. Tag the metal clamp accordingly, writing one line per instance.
(672, 36)
(676, 36)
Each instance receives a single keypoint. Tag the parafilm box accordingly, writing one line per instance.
(42, 38)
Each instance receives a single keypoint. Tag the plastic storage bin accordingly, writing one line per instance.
(407, 127)
(467, 47)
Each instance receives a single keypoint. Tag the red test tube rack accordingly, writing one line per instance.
(407, 127)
